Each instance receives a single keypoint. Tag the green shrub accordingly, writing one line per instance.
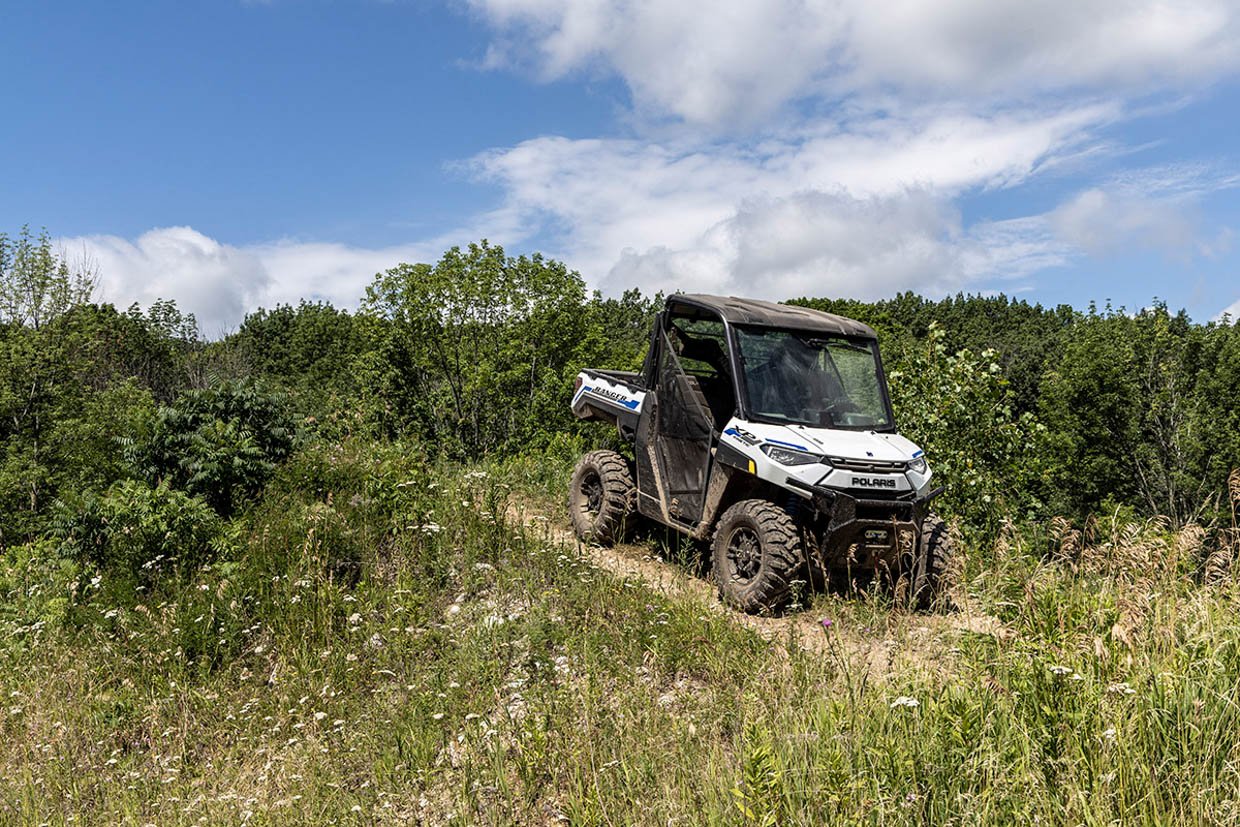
(221, 443)
(959, 409)
(137, 530)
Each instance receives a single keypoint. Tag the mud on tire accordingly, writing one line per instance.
(756, 556)
(600, 497)
(928, 580)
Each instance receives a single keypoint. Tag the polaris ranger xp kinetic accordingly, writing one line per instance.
(766, 429)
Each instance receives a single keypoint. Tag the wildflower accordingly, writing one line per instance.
(905, 700)
(318, 716)
(1121, 688)
(827, 623)
(1060, 671)
(431, 528)
(355, 619)
(350, 657)
(1109, 734)
(438, 716)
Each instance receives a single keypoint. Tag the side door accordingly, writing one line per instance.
(677, 432)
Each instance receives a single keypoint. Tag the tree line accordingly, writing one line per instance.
(1027, 412)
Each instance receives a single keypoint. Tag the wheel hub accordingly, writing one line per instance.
(592, 490)
(744, 553)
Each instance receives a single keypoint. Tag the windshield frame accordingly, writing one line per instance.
(746, 410)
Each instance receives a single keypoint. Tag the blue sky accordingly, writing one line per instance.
(231, 155)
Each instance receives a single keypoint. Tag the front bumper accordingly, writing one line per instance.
(864, 532)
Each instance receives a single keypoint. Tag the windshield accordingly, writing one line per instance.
(812, 379)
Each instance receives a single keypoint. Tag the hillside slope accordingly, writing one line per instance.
(382, 644)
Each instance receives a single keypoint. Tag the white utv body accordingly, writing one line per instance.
(766, 429)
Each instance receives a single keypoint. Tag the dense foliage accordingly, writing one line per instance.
(1024, 411)
(137, 531)
(221, 443)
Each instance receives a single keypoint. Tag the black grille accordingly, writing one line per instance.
(868, 466)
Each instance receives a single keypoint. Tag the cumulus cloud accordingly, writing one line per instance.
(815, 243)
(902, 109)
(725, 60)
(862, 211)
(215, 281)
(220, 283)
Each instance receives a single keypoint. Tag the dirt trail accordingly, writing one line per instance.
(906, 640)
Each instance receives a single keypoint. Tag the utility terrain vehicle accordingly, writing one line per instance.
(766, 429)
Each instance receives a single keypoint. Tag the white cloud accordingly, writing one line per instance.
(219, 283)
(820, 244)
(719, 61)
(1233, 310)
(860, 212)
(1151, 208)
(215, 281)
(1099, 222)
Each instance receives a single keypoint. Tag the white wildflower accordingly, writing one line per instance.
(905, 700)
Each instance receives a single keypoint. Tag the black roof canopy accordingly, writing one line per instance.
(770, 314)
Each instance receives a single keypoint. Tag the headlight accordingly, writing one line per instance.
(789, 456)
(918, 465)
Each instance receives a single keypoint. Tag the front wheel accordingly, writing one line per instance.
(756, 556)
(929, 580)
(600, 497)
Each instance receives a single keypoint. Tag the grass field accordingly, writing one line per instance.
(378, 642)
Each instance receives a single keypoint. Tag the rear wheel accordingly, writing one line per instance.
(929, 578)
(600, 497)
(756, 556)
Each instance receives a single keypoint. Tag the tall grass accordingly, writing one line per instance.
(378, 645)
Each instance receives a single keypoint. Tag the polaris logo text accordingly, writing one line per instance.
(872, 482)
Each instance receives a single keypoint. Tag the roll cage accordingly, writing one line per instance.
(690, 307)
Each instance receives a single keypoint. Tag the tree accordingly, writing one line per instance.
(958, 408)
(477, 353)
(37, 285)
